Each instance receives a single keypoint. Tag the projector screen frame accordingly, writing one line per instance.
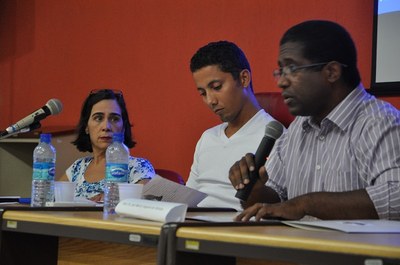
(380, 88)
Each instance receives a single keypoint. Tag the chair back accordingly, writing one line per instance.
(171, 175)
(272, 102)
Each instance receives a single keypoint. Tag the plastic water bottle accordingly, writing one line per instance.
(117, 159)
(44, 159)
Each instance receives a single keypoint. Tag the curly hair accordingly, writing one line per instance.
(226, 55)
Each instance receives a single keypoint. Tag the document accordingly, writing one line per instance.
(349, 226)
(226, 217)
(161, 189)
(152, 210)
(77, 202)
(212, 216)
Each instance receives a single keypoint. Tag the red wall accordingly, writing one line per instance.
(63, 49)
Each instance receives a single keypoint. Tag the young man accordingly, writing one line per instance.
(340, 158)
(222, 76)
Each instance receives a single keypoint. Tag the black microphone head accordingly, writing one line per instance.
(55, 106)
(274, 129)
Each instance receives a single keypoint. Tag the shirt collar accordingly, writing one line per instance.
(344, 113)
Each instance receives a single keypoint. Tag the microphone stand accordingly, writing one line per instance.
(33, 126)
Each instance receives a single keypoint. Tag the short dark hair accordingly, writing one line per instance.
(82, 141)
(226, 55)
(325, 41)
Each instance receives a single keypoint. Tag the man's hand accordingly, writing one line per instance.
(345, 205)
(289, 210)
(240, 171)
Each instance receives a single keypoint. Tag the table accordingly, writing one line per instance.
(257, 243)
(75, 236)
(82, 235)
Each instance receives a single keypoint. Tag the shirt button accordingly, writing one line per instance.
(317, 167)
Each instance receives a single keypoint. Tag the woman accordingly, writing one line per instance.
(103, 113)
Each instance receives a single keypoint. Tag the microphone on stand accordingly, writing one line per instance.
(52, 107)
(30, 128)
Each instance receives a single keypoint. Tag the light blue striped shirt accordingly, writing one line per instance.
(357, 146)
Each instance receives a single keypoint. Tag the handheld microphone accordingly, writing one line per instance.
(273, 130)
(52, 107)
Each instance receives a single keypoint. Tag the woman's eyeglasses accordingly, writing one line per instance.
(115, 91)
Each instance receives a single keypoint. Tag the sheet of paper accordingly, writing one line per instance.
(8, 203)
(72, 204)
(212, 216)
(152, 210)
(349, 226)
(77, 202)
(225, 217)
(161, 189)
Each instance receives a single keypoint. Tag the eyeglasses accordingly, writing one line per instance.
(291, 69)
(115, 91)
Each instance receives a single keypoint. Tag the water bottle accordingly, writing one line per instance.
(44, 159)
(117, 159)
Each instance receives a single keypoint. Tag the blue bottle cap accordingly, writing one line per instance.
(118, 137)
(45, 138)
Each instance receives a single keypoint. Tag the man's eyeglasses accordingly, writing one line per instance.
(291, 69)
(115, 91)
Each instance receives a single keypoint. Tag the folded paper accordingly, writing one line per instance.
(152, 210)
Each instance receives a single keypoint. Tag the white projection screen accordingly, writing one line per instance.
(386, 48)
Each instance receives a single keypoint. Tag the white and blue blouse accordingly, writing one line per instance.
(139, 169)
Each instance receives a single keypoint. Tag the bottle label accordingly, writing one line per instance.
(117, 172)
(43, 171)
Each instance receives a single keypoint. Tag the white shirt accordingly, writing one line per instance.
(215, 154)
